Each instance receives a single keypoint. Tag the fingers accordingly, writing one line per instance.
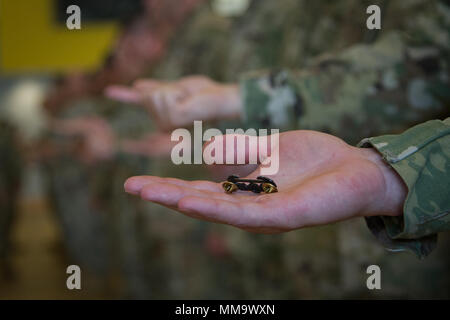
(194, 83)
(133, 94)
(123, 94)
(153, 145)
(243, 214)
(169, 194)
(147, 84)
(134, 185)
(215, 210)
(207, 201)
(175, 104)
(199, 204)
(247, 216)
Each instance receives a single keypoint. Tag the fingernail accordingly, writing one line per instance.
(132, 187)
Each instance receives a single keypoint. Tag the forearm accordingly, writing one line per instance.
(421, 157)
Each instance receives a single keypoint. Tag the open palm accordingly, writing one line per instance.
(320, 180)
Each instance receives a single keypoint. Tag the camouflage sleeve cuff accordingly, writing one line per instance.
(421, 156)
(270, 100)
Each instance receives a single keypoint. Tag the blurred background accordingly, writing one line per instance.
(62, 172)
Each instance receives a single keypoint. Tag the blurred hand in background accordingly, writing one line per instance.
(97, 138)
(179, 103)
(154, 145)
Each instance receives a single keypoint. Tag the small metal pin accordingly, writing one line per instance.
(229, 187)
(258, 185)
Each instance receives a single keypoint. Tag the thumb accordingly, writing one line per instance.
(237, 149)
(244, 155)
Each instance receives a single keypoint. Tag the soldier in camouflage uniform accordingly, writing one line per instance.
(86, 167)
(361, 91)
(82, 212)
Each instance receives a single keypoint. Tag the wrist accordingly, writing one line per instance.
(393, 191)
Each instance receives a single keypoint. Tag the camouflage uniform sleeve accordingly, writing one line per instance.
(365, 90)
(270, 99)
(421, 156)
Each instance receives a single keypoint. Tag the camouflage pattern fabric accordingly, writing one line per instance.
(369, 89)
(421, 156)
(388, 91)
(224, 47)
(10, 175)
(99, 222)
(77, 201)
(80, 211)
(128, 216)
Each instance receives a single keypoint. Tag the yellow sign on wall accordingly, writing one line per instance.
(32, 40)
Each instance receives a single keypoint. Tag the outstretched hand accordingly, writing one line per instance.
(178, 103)
(97, 137)
(321, 180)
